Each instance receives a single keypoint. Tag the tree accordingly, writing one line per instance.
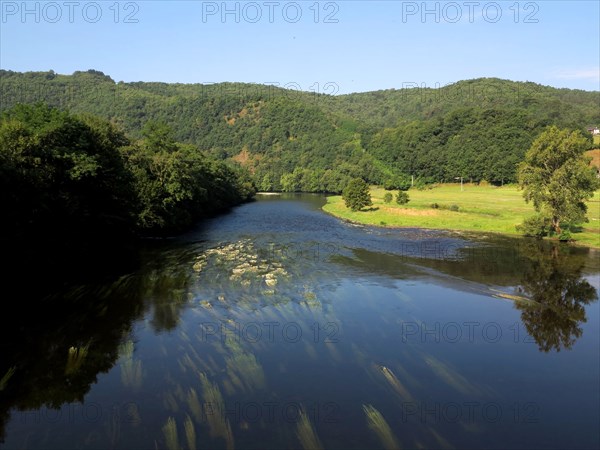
(557, 177)
(356, 195)
(387, 197)
(62, 177)
(401, 182)
(402, 198)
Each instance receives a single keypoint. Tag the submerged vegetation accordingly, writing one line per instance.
(193, 381)
(76, 358)
(170, 433)
(381, 428)
(306, 433)
(131, 369)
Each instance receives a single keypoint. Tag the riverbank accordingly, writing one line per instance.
(477, 208)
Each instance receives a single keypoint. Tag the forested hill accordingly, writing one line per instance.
(478, 129)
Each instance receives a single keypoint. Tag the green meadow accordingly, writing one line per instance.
(477, 208)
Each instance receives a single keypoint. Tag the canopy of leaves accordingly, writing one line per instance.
(70, 179)
(556, 176)
(402, 198)
(62, 176)
(477, 129)
(356, 194)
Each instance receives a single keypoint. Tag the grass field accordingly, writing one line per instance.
(480, 209)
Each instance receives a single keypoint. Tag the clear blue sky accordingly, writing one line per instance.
(358, 45)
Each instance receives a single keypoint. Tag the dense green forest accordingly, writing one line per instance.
(301, 141)
(68, 181)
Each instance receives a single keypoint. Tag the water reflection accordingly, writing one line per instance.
(55, 349)
(545, 280)
(554, 283)
(203, 327)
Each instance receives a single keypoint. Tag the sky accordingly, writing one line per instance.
(328, 47)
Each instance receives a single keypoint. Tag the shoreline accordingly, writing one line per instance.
(474, 233)
(331, 207)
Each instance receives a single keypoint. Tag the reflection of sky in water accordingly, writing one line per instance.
(279, 327)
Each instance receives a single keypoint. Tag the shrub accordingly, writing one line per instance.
(454, 208)
(565, 235)
(435, 205)
(402, 198)
(536, 226)
(387, 197)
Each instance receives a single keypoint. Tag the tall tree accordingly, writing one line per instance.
(356, 194)
(557, 177)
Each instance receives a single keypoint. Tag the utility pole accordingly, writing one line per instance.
(461, 183)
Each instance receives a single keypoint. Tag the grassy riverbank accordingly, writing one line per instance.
(480, 209)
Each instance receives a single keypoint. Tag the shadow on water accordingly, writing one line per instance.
(62, 335)
(56, 337)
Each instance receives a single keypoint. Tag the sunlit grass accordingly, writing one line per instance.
(307, 434)
(76, 358)
(131, 369)
(170, 432)
(218, 423)
(131, 374)
(480, 209)
(381, 428)
(7, 376)
(170, 402)
(190, 433)
(126, 350)
(451, 377)
(194, 405)
(395, 384)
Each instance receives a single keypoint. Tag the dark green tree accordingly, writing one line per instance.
(557, 177)
(62, 177)
(402, 198)
(401, 182)
(356, 195)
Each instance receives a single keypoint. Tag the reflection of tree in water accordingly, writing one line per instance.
(553, 281)
(53, 346)
(58, 349)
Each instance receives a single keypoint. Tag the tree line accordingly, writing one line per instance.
(300, 141)
(75, 178)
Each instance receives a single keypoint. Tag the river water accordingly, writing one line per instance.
(277, 326)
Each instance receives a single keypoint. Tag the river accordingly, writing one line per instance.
(277, 326)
